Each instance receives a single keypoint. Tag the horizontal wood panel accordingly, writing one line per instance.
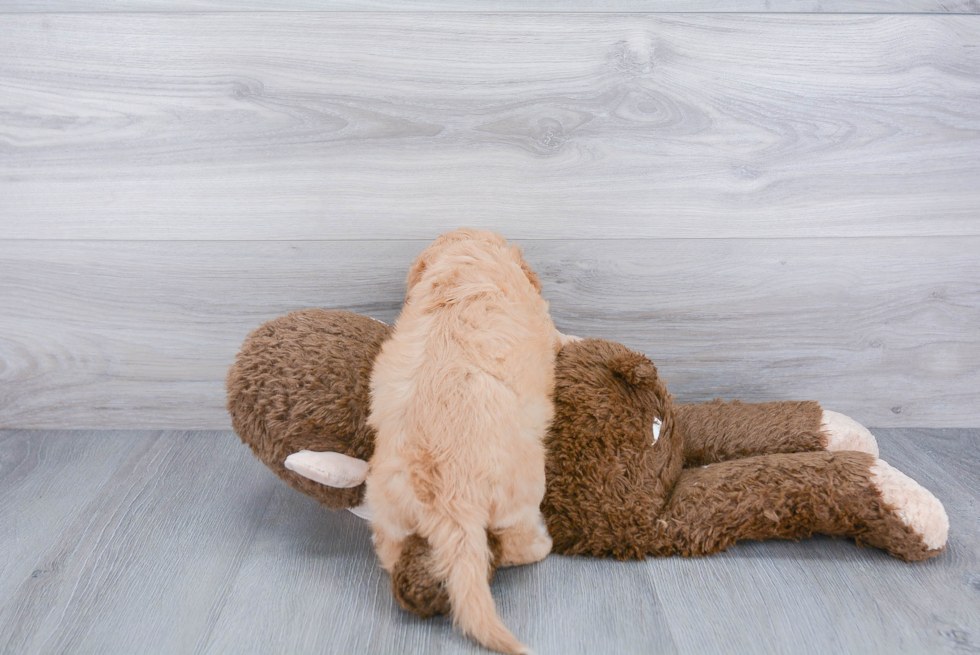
(401, 125)
(122, 334)
(660, 6)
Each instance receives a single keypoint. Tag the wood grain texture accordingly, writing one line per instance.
(824, 595)
(944, 461)
(192, 546)
(321, 587)
(143, 566)
(404, 125)
(659, 6)
(35, 506)
(140, 334)
(325, 588)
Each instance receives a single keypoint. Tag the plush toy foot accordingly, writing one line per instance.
(414, 583)
(844, 433)
(334, 470)
(362, 511)
(329, 468)
(918, 509)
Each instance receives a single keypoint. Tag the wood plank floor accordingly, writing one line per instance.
(181, 542)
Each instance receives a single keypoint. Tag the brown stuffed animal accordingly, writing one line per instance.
(630, 474)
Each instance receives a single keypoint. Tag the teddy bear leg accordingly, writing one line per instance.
(789, 496)
(387, 544)
(915, 505)
(720, 431)
(413, 583)
(844, 433)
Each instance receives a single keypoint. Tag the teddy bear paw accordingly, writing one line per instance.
(329, 468)
(844, 433)
(918, 509)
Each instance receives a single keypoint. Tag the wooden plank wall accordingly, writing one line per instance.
(771, 205)
(521, 6)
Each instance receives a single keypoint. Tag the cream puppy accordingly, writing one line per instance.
(461, 400)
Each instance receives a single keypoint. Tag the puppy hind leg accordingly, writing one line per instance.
(388, 544)
(524, 541)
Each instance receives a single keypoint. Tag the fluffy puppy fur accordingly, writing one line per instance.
(461, 401)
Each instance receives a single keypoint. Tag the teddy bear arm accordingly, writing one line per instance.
(718, 431)
(789, 496)
(329, 468)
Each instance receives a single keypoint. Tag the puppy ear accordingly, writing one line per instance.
(429, 255)
(415, 272)
(531, 275)
(633, 367)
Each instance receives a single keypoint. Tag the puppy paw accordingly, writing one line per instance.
(844, 433)
(540, 548)
(917, 508)
(524, 546)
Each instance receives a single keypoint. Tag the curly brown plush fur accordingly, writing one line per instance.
(780, 496)
(720, 431)
(613, 492)
(607, 479)
(413, 585)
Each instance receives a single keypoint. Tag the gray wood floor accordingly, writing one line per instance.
(181, 542)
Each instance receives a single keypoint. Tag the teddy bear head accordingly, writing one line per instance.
(302, 382)
(613, 452)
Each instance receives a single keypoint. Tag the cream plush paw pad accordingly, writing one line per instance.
(329, 468)
(844, 433)
(914, 504)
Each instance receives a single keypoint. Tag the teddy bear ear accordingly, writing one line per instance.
(633, 367)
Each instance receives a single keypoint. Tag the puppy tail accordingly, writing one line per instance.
(462, 556)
